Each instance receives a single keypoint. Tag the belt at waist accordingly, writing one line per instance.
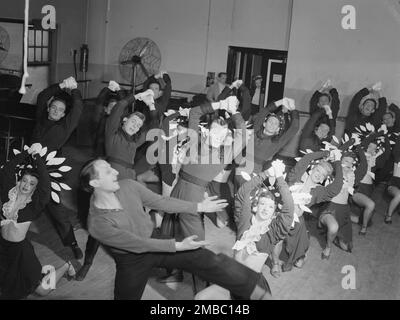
(120, 162)
(192, 179)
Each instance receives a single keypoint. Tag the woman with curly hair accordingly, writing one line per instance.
(261, 223)
(22, 203)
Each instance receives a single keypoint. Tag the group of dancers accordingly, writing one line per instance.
(217, 158)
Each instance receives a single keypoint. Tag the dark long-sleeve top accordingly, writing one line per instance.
(161, 103)
(362, 166)
(118, 143)
(396, 127)
(41, 195)
(320, 193)
(383, 159)
(309, 139)
(355, 118)
(244, 97)
(165, 153)
(335, 102)
(130, 229)
(265, 147)
(396, 151)
(101, 100)
(54, 134)
(202, 168)
(279, 227)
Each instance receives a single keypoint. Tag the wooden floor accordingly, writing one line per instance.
(375, 258)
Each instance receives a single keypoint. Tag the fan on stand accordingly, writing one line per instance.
(138, 59)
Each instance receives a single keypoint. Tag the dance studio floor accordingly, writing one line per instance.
(375, 258)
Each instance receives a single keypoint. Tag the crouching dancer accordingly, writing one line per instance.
(261, 223)
(118, 221)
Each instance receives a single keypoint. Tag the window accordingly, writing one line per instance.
(39, 46)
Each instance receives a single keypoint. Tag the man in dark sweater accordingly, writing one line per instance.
(118, 221)
(54, 126)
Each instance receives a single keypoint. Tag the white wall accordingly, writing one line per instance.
(70, 17)
(191, 41)
(320, 48)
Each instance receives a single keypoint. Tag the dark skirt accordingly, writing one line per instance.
(223, 191)
(365, 189)
(255, 109)
(20, 269)
(297, 242)
(341, 212)
(191, 224)
(395, 182)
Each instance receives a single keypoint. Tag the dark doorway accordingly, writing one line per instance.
(247, 63)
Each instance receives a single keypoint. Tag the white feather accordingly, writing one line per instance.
(55, 161)
(26, 148)
(64, 186)
(363, 128)
(55, 175)
(64, 169)
(51, 155)
(335, 139)
(16, 151)
(55, 197)
(43, 151)
(55, 186)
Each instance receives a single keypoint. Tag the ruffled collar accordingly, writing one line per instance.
(252, 235)
(10, 209)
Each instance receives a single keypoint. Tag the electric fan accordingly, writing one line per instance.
(138, 59)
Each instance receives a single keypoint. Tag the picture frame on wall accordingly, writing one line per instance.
(11, 46)
(210, 79)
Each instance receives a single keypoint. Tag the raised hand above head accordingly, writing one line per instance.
(236, 84)
(327, 84)
(279, 168)
(147, 97)
(377, 86)
(113, 86)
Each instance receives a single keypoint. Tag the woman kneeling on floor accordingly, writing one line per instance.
(259, 224)
(336, 216)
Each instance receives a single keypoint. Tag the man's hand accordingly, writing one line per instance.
(113, 86)
(211, 204)
(189, 244)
